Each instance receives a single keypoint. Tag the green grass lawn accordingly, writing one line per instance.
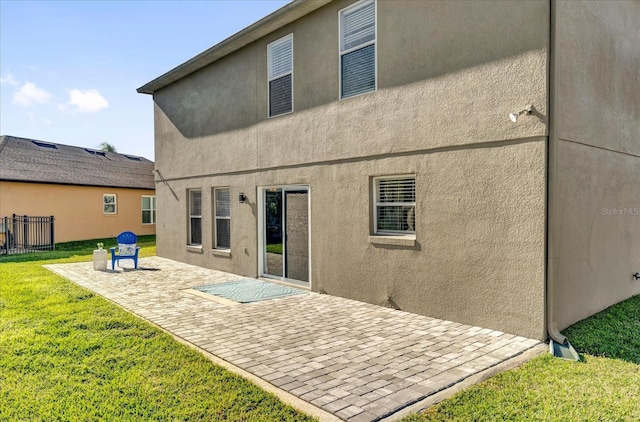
(74, 249)
(275, 248)
(67, 354)
(604, 386)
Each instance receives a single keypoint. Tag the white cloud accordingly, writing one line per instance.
(30, 94)
(87, 101)
(9, 80)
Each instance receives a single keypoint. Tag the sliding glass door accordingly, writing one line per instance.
(285, 233)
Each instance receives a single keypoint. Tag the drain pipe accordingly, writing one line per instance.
(552, 217)
(559, 346)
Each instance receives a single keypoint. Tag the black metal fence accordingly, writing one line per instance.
(23, 234)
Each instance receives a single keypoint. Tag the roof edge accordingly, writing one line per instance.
(84, 185)
(276, 20)
(57, 144)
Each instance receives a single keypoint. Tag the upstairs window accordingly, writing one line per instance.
(222, 218)
(195, 217)
(395, 205)
(358, 49)
(280, 75)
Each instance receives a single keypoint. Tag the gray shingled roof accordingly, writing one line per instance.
(28, 160)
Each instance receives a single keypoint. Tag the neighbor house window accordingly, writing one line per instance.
(222, 217)
(280, 75)
(358, 49)
(109, 205)
(148, 209)
(395, 205)
(195, 217)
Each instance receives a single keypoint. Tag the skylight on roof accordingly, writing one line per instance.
(44, 145)
(94, 152)
(130, 157)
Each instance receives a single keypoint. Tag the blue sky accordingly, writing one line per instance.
(69, 69)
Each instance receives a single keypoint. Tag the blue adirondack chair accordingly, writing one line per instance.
(126, 249)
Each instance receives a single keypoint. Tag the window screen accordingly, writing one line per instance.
(357, 49)
(195, 217)
(280, 75)
(395, 204)
(223, 219)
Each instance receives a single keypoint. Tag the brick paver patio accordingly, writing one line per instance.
(357, 361)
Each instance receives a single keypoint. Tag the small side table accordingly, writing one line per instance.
(100, 259)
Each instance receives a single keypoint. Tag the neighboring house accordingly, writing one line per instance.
(92, 194)
(366, 149)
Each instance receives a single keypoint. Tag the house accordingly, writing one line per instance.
(91, 194)
(473, 161)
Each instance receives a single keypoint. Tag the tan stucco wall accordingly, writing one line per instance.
(597, 150)
(78, 210)
(458, 85)
(479, 252)
(440, 111)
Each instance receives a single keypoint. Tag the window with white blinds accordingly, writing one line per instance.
(222, 218)
(195, 217)
(395, 205)
(357, 49)
(280, 75)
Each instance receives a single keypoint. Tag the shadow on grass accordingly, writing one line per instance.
(613, 333)
(71, 249)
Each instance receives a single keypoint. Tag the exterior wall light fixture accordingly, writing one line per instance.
(242, 198)
(514, 116)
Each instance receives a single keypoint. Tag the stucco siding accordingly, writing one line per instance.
(598, 73)
(599, 223)
(597, 164)
(440, 112)
(479, 251)
(209, 123)
(78, 210)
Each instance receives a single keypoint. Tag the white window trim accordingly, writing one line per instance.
(191, 216)
(262, 233)
(377, 203)
(216, 218)
(115, 203)
(280, 40)
(356, 5)
(152, 204)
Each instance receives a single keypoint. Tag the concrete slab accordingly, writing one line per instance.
(334, 358)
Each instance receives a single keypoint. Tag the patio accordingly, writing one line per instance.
(331, 357)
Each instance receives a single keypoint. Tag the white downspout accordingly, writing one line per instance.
(552, 203)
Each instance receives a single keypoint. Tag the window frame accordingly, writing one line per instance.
(115, 204)
(192, 217)
(216, 217)
(152, 209)
(374, 42)
(270, 78)
(378, 203)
